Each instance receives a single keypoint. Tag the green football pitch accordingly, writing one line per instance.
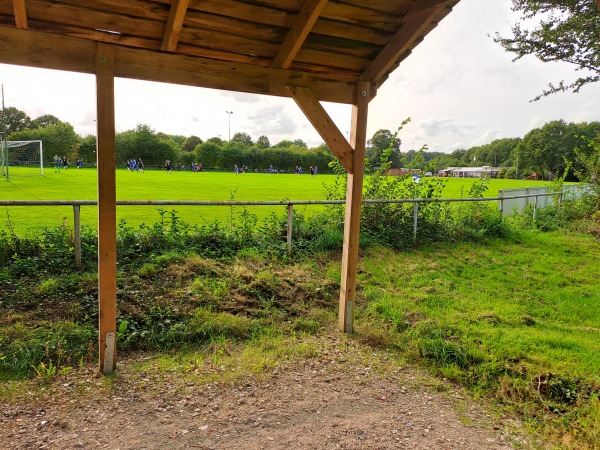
(81, 184)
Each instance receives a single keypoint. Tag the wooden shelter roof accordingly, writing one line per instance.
(256, 46)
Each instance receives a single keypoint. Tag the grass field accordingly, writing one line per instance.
(76, 184)
(517, 321)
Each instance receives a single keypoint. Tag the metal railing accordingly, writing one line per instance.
(77, 204)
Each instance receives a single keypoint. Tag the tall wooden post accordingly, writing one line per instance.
(358, 141)
(107, 210)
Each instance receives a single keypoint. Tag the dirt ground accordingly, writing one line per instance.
(325, 403)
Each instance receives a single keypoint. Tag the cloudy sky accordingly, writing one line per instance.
(458, 87)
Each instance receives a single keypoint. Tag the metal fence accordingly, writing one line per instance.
(516, 200)
(507, 204)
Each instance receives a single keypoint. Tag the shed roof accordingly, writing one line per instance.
(256, 46)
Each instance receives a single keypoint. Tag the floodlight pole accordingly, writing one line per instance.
(229, 113)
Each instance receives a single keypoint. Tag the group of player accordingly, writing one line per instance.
(298, 170)
(135, 165)
(240, 169)
(313, 170)
(60, 163)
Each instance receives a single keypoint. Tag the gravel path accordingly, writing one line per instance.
(325, 403)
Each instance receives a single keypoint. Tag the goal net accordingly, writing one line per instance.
(22, 158)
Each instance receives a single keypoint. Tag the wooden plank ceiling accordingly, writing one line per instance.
(258, 46)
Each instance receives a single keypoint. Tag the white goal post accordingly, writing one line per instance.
(22, 154)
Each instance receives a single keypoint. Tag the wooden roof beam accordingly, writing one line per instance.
(20, 14)
(174, 25)
(412, 30)
(308, 15)
(321, 121)
(43, 50)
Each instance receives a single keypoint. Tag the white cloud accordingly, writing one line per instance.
(487, 137)
(272, 121)
(435, 127)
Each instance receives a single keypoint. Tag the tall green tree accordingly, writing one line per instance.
(60, 140)
(284, 144)
(382, 140)
(216, 140)
(497, 153)
(242, 138)
(190, 144)
(547, 149)
(13, 120)
(299, 143)
(45, 120)
(143, 142)
(263, 142)
(209, 154)
(565, 30)
(87, 149)
(234, 152)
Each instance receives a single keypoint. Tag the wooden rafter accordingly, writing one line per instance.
(20, 14)
(174, 24)
(328, 130)
(35, 49)
(414, 26)
(311, 9)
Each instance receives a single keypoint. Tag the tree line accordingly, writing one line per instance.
(544, 151)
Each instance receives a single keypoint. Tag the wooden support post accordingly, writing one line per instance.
(77, 234)
(107, 210)
(358, 141)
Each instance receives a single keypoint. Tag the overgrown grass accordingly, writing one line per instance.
(512, 319)
(517, 321)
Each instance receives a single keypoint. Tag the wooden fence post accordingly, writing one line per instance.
(415, 221)
(77, 234)
(290, 216)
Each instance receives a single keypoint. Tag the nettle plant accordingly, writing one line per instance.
(391, 223)
(588, 156)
